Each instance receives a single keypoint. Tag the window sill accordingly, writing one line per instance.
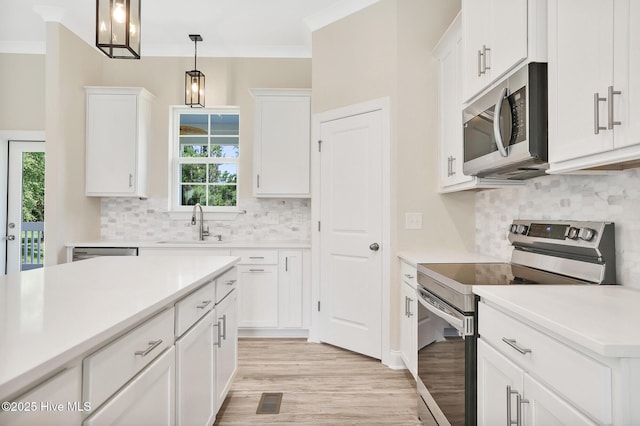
(227, 215)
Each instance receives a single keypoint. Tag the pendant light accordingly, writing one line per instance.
(118, 28)
(194, 80)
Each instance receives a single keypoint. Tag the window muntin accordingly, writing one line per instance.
(206, 150)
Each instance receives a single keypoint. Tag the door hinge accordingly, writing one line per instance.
(318, 306)
(318, 226)
(319, 145)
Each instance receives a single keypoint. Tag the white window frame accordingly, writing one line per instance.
(175, 209)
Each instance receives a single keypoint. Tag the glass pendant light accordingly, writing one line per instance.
(194, 79)
(118, 28)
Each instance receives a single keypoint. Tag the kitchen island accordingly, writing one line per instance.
(56, 318)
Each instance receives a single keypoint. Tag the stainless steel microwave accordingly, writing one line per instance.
(505, 131)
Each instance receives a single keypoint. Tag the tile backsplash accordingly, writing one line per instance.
(614, 198)
(132, 219)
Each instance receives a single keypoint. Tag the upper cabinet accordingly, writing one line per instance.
(497, 36)
(448, 53)
(117, 128)
(594, 84)
(281, 143)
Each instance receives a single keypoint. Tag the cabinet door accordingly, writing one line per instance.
(36, 406)
(580, 66)
(149, 399)
(258, 297)
(545, 408)
(626, 106)
(227, 351)
(475, 22)
(408, 327)
(290, 289)
(195, 360)
(508, 36)
(111, 156)
(496, 374)
(282, 139)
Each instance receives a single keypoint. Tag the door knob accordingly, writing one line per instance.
(374, 247)
(10, 237)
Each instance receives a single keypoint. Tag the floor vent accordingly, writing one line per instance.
(269, 403)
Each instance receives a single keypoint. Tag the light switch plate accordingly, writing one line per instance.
(413, 220)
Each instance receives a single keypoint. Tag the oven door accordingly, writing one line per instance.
(446, 363)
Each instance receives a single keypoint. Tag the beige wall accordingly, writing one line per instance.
(385, 50)
(22, 92)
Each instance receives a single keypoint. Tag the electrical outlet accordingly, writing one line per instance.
(413, 220)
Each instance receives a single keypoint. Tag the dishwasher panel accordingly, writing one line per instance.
(81, 253)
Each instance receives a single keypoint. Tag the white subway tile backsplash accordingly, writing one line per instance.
(133, 219)
(614, 198)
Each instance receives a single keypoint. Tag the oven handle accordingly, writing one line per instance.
(427, 302)
(497, 132)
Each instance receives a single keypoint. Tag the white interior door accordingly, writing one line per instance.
(24, 235)
(351, 233)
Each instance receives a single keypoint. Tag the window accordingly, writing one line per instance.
(205, 154)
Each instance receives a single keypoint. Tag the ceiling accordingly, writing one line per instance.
(229, 28)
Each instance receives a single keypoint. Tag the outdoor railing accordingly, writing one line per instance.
(32, 245)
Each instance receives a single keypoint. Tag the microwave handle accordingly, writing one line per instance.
(497, 132)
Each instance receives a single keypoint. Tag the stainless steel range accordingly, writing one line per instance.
(544, 252)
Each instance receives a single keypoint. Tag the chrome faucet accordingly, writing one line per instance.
(202, 232)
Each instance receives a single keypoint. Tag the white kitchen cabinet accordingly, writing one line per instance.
(281, 143)
(594, 84)
(195, 382)
(290, 289)
(148, 399)
(258, 304)
(549, 379)
(448, 53)
(227, 345)
(499, 35)
(409, 317)
(118, 121)
(41, 405)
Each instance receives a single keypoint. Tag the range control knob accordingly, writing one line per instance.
(513, 228)
(522, 229)
(572, 233)
(586, 234)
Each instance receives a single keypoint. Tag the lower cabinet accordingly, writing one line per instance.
(408, 327)
(508, 395)
(258, 295)
(227, 345)
(148, 399)
(196, 362)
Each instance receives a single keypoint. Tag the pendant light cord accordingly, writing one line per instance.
(195, 57)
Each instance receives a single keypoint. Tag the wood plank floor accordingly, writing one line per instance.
(322, 385)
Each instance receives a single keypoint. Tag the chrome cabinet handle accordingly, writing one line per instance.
(611, 120)
(409, 313)
(406, 306)
(485, 49)
(409, 276)
(596, 113)
(514, 345)
(130, 180)
(219, 342)
(231, 282)
(224, 326)
(509, 393)
(256, 270)
(256, 257)
(152, 345)
(453, 170)
(497, 131)
(479, 63)
(205, 303)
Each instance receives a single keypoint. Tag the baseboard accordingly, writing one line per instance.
(293, 333)
(395, 361)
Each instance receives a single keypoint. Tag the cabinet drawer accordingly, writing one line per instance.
(194, 306)
(256, 257)
(576, 376)
(225, 283)
(409, 274)
(106, 370)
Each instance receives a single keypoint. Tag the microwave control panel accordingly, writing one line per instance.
(518, 105)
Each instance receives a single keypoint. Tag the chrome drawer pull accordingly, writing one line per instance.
(152, 345)
(409, 276)
(219, 342)
(224, 326)
(231, 282)
(256, 257)
(256, 270)
(205, 303)
(514, 345)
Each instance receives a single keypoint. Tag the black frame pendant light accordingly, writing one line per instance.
(194, 79)
(118, 28)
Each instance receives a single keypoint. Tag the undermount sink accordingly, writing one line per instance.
(215, 241)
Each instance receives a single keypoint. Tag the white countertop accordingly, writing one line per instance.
(209, 243)
(53, 315)
(603, 319)
(437, 255)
